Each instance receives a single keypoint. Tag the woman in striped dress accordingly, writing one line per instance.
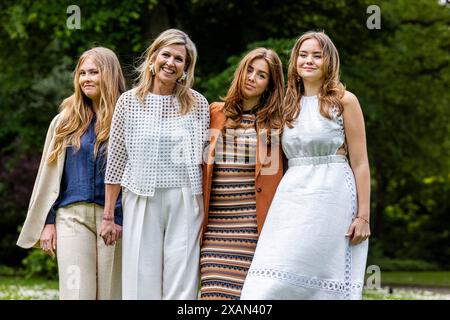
(242, 172)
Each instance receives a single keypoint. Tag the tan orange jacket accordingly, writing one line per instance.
(268, 171)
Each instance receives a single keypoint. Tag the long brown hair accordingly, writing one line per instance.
(146, 79)
(268, 115)
(331, 91)
(76, 110)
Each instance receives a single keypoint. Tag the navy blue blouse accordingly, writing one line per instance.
(83, 177)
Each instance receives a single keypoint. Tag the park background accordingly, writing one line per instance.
(399, 70)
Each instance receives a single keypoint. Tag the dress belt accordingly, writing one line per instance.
(301, 161)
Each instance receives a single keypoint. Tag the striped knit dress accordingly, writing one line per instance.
(230, 238)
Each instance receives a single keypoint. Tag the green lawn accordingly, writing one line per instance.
(383, 294)
(403, 294)
(409, 285)
(13, 288)
(429, 279)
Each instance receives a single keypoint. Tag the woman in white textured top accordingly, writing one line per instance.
(155, 152)
(314, 241)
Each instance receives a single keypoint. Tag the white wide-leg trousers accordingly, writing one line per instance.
(161, 244)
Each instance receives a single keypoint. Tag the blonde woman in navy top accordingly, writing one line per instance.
(66, 207)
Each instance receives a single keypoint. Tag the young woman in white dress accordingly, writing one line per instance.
(314, 242)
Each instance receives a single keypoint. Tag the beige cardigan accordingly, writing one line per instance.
(45, 192)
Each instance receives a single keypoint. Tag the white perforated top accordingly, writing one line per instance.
(152, 145)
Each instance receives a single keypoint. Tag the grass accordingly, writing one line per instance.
(402, 294)
(408, 285)
(13, 288)
(428, 279)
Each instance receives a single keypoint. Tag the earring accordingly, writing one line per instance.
(182, 78)
(152, 69)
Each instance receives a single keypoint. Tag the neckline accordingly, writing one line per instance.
(309, 97)
(162, 95)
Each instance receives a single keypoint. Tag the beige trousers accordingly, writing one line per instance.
(161, 245)
(88, 269)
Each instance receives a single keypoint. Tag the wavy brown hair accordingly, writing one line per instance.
(146, 79)
(331, 91)
(76, 111)
(268, 115)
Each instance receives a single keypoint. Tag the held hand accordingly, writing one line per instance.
(359, 231)
(109, 232)
(48, 240)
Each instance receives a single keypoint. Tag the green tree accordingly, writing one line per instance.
(400, 76)
(399, 73)
(401, 80)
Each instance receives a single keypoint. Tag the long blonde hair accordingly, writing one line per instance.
(76, 110)
(146, 79)
(331, 91)
(268, 114)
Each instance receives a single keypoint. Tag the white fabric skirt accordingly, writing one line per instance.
(303, 252)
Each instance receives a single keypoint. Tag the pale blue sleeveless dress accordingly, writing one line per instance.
(302, 252)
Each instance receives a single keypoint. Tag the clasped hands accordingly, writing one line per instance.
(110, 232)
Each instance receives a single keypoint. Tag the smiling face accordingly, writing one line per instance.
(310, 61)
(169, 64)
(89, 79)
(256, 79)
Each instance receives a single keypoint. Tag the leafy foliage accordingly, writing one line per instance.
(39, 264)
(399, 73)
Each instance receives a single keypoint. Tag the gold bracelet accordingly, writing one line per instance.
(367, 221)
(108, 218)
